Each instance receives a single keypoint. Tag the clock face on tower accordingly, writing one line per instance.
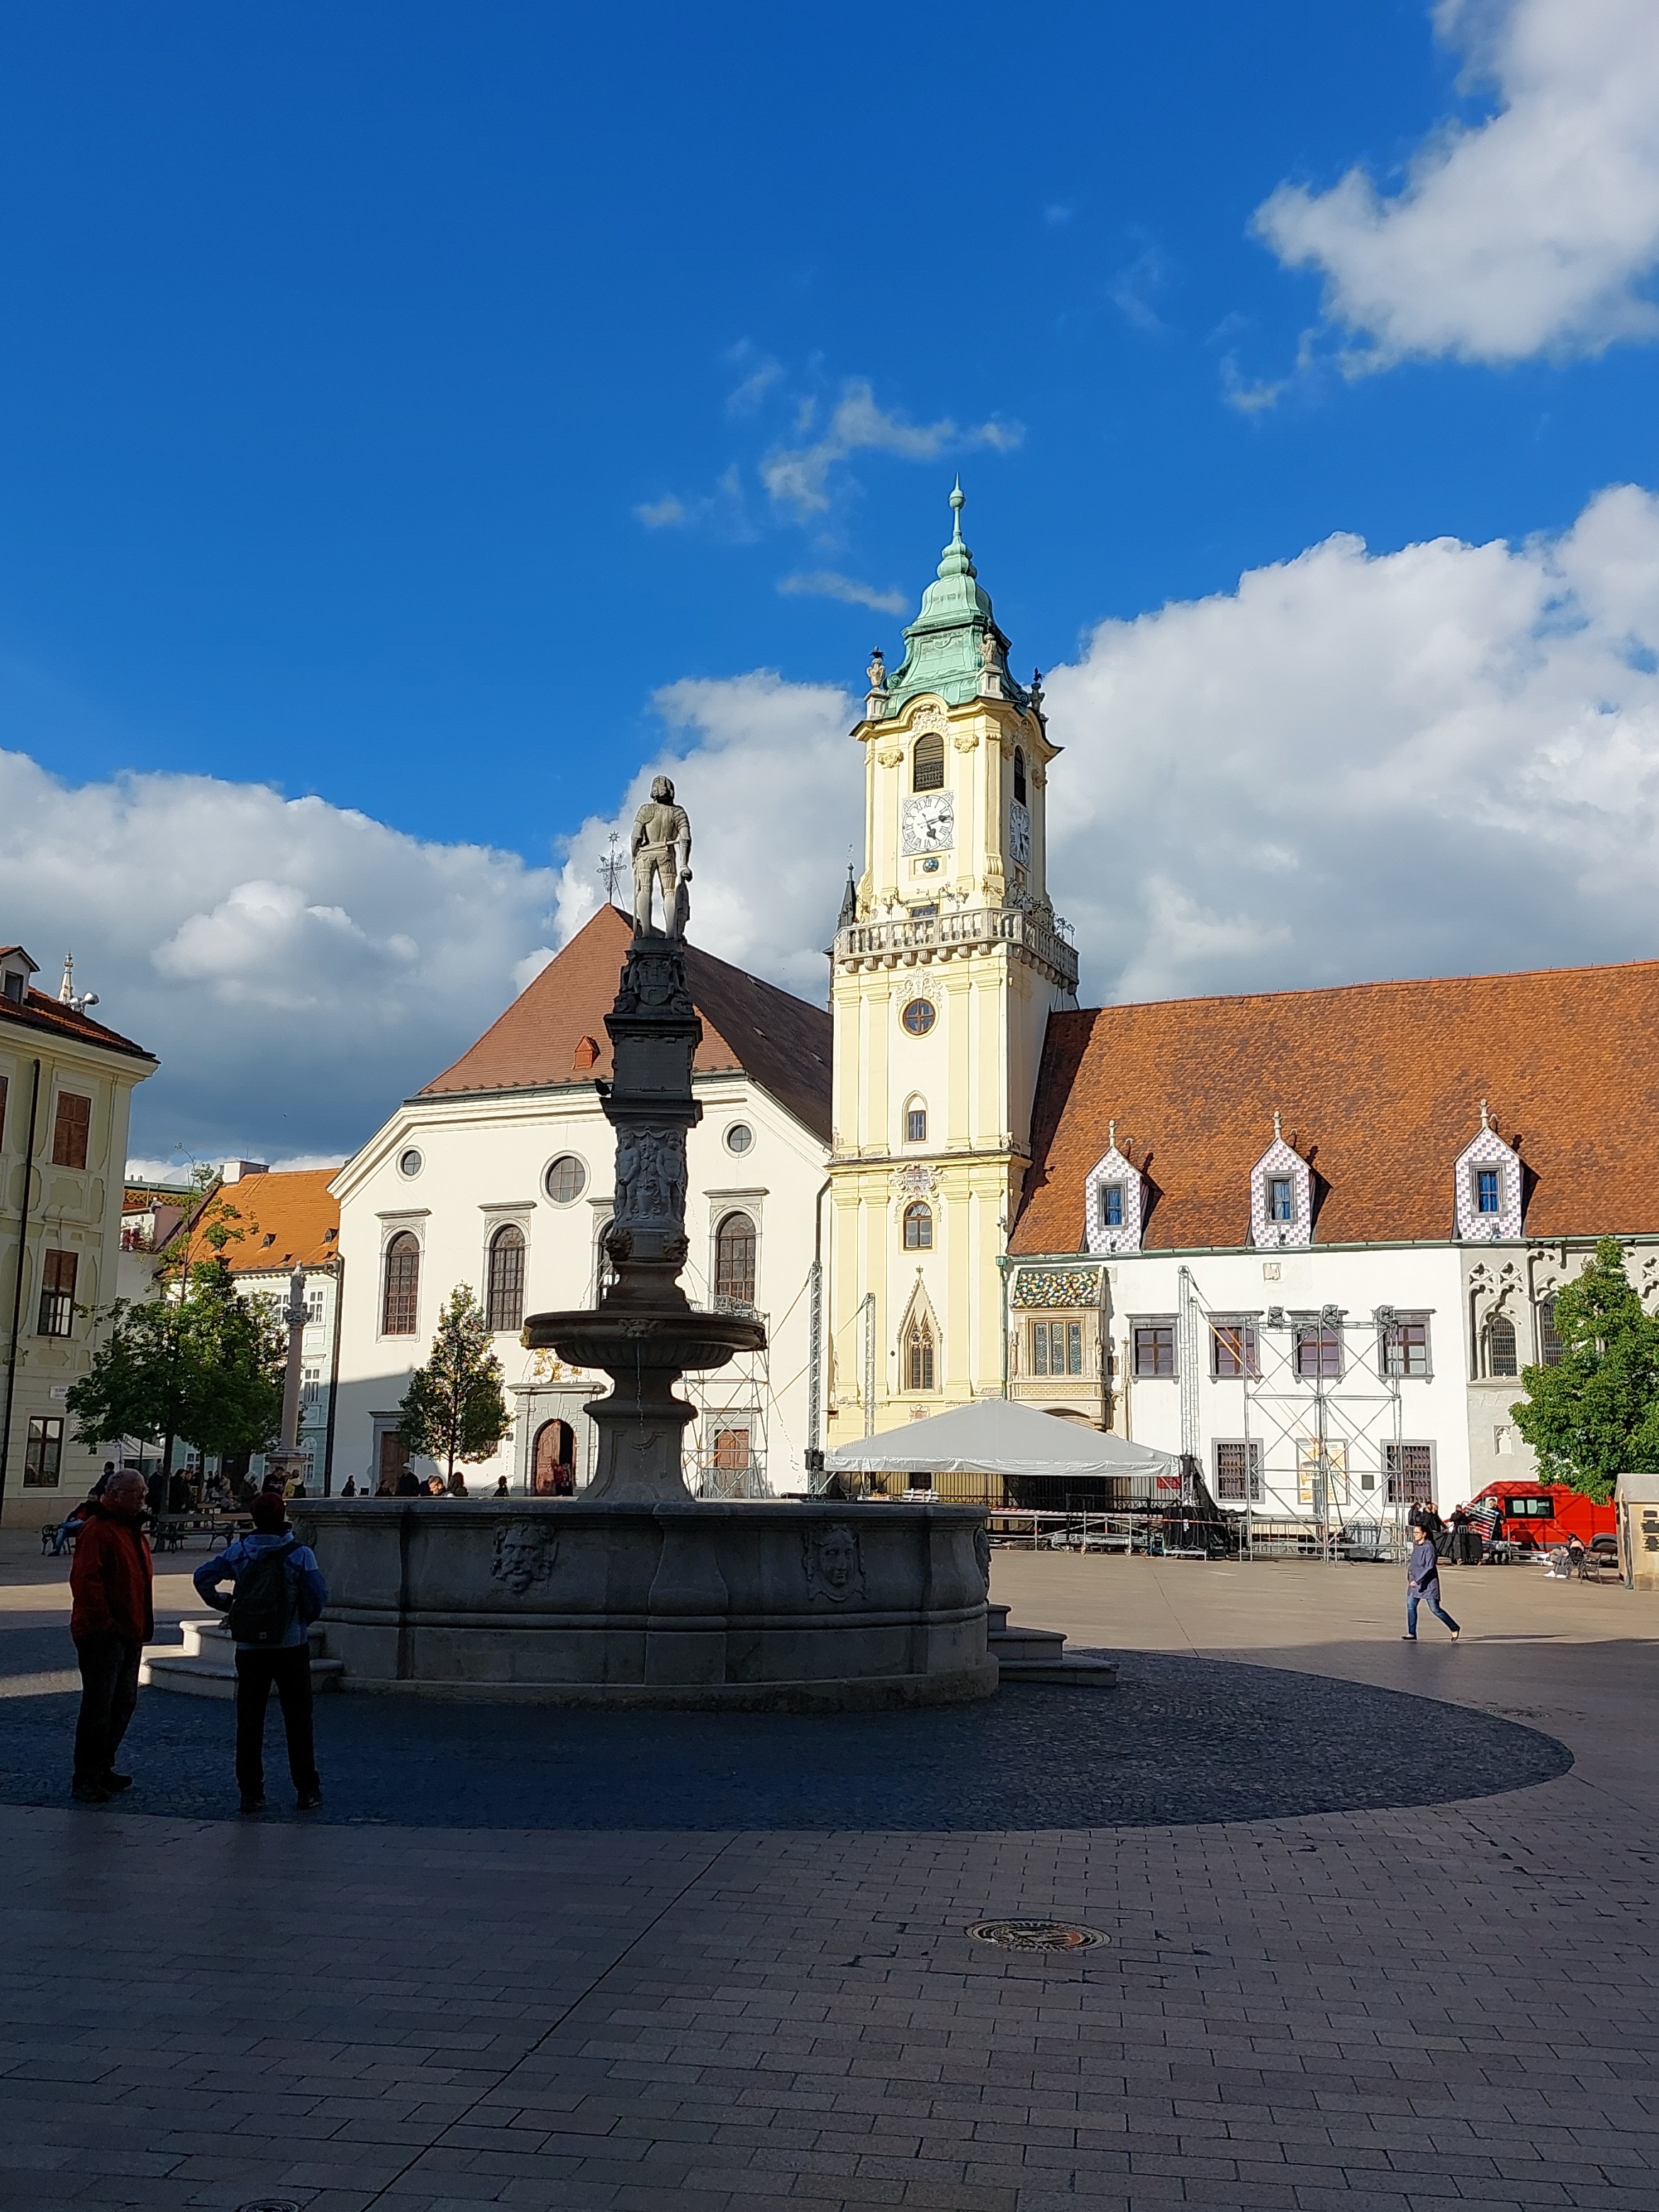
(930, 822)
(1019, 834)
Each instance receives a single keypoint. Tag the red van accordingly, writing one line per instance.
(1539, 1516)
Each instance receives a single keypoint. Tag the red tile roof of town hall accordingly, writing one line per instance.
(287, 1218)
(1380, 1087)
(554, 1032)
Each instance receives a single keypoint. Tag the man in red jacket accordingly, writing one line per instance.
(112, 1620)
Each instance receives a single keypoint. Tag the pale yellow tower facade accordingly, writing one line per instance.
(946, 964)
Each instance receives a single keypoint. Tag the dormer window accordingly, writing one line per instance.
(1281, 1196)
(927, 763)
(16, 984)
(1113, 1201)
(1487, 1192)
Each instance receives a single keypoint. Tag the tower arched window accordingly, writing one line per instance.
(915, 1121)
(919, 1350)
(506, 1297)
(1019, 774)
(734, 1259)
(927, 763)
(401, 1298)
(918, 1227)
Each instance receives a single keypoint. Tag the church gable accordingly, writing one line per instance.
(1378, 1084)
(554, 1032)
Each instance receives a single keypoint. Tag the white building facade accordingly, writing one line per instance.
(499, 1176)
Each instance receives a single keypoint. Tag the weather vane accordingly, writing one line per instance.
(612, 867)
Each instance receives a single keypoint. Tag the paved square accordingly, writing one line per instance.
(1381, 2008)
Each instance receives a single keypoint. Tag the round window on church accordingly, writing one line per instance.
(739, 1136)
(566, 1180)
(410, 1163)
(918, 1017)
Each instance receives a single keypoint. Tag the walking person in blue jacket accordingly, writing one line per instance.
(277, 1591)
(1423, 1584)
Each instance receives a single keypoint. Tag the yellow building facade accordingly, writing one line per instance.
(947, 961)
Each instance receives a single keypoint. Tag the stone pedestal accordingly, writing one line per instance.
(697, 1604)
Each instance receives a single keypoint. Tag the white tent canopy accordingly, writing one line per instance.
(993, 1437)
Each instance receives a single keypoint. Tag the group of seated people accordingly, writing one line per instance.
(179, 1496)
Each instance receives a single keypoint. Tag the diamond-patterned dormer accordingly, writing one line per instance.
(1113, 1196)
(1486, 1184)
(1281, 1196)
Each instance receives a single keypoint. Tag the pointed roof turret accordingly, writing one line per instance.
(953, 647)
(849, 902)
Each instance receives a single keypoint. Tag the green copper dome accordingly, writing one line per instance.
(945, 645)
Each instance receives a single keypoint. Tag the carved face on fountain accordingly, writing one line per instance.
(834, 1569)
(525, 1554)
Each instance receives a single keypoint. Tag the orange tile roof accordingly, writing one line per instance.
(38, 1010)
(554, 1032)
(286, 1219)
(1380, 1084)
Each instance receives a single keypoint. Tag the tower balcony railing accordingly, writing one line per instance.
(898, 942)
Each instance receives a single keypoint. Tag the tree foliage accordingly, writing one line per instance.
(454, 1409)
(1595, 1415)
(201, 1363)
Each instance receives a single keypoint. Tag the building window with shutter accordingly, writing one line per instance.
(915, 1125)
(1488, 1190)
(918, 1227)
(401, 1299)
(927, 763)
(1111, 1206)
(43, 1454)
(1319, 1352)
(1154, 1349)
(1405, 1346)
(1238, 1470)
(71, 1130)
(506, 1299)
(734, 1259)
(57, 1274)
(1233, 1351)
(1409, 1469)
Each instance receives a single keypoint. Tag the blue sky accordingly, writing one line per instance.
(414, 406)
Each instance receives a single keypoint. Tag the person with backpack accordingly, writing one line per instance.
(277, 1592)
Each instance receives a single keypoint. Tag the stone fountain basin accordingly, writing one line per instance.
(670, 1336)
(699, 1604)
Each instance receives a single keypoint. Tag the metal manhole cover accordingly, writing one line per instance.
(270, 2205)
(1036, 1934)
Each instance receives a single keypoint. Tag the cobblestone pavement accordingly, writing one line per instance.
(1384, 2008)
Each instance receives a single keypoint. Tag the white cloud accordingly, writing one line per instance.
(298, 967)
(1431, 761)
(1137, 283)
(775, 792)
(798, 478)
(1535, 232)
(827, 584)
(664, 513)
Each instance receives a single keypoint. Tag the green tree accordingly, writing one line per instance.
(454, 1409)
(201, 1363)
(1596, 1415)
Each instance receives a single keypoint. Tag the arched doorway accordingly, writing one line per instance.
(553, 1465)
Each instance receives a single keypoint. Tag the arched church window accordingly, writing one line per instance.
(505, 1298)
(1019, 774)
(734, 1259)
(1501, 1348)
(919, 1355)
(403, 1285)
(915, 1123)
(927, 763)
(918, 1227)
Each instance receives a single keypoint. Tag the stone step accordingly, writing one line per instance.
(203, 1664)
(1039, 1654)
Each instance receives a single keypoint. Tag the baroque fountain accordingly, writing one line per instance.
(636, 1593)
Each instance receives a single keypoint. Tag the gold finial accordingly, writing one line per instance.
(1279, 1133)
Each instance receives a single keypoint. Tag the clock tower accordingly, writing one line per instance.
(947, 961)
